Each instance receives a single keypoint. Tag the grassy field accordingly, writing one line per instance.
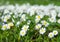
(44, 2)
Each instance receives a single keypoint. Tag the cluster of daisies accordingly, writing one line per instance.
(14, 15)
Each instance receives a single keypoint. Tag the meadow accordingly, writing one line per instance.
(29, 20)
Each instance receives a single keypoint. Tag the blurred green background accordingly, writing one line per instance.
(45, 2)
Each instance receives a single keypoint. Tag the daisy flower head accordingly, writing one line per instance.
(45, 23)
(10, 24)
(25, 27)
(5, 26)
(42, 31)
(55, 32)
(38, 26)
(22, 33)
(38, 18)
(51, 35)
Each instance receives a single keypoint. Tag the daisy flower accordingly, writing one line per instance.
(45, 23)
(38, 17)
(22, 33)
(55, 32)
(38, 26)
(5, 26)
(51, 35)
(10, 24)
(42, 30)
(25, 27)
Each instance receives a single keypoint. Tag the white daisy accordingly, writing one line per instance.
(10, 24)
(38, 26)
(55, 32)
(5, 26)
(22, 33)
(42, 30)
(38, 17)
(45, 23)
(50, 35)
(25, 27)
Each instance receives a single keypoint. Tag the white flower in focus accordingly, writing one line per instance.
(50, 35)
(58, 21)
(25, 27)
(42, 30)
(45, 23)
(38, 26)
(22, 33)
(55, 32)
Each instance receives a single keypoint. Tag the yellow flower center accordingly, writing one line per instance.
(42, 30)
(45, 22)
(54, 32)
(39, 17)
(50, 35)
(25, 28)
(22, 32)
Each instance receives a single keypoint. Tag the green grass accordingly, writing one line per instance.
(44, 2)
